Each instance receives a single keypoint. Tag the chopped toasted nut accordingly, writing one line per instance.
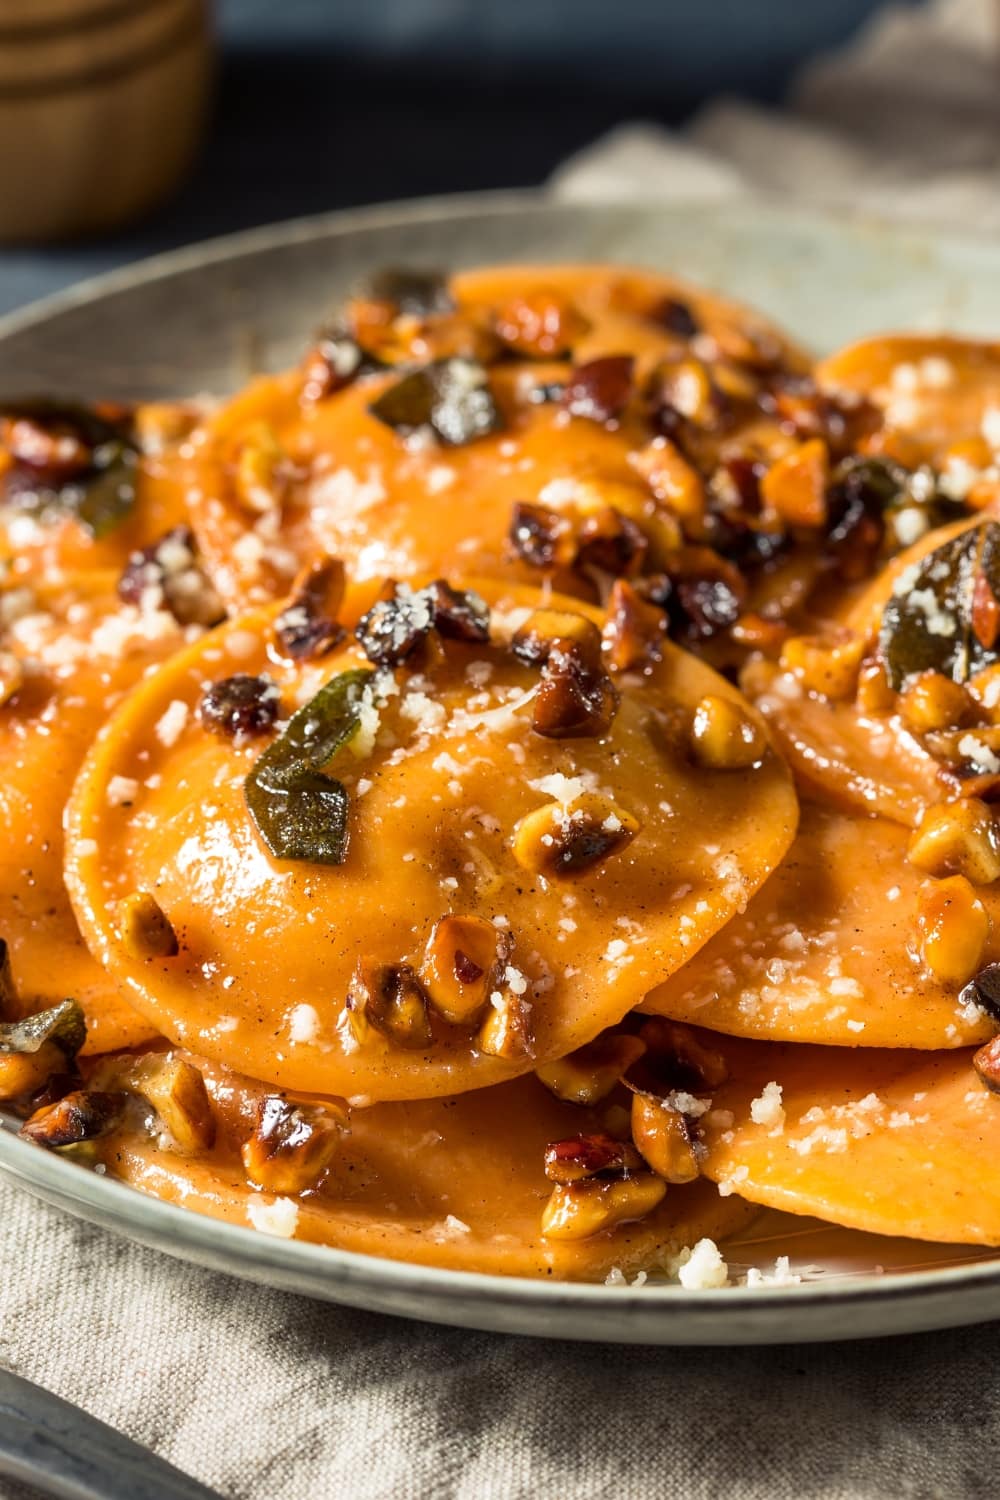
(541, 537)
(672, 480)
(144, 928)
(292, 1145)
(11, 676)
(25, 1072)
(260, 477)
(167, 575)
(635, 630)
(795, 486)
(825, 664)
(390, 999)
(957, 838)
(539, 324)
(987, 1064)
(599, 389)
(460, 967)
(723, 737)
(664, 1137)
(584, 1156)
(578, 1210)
(558, 839)
(244, 704)
(932, 701)
(875, 694)
(506, 1032)
(759, 634)
(401, 620)
(574, 698)
(588, 1075)
(82, 1115)
(546, 628)
(685, 386)
(330, 366)
(983, 989)
(609, 542)
(953, 927)
(307, 627)
(176, 1090)
(680, 1056)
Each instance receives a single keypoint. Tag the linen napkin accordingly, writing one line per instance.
(266, 1396)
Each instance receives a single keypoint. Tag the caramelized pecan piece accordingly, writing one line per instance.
(984, 990)
(240, 705)
(634, 632)
(574, 698)
(462, 966)
(664, 1137)
(584, 1156)
(307, 627)
(166, 575)
(987, 1064)
(80, 1116)
(292, 1145)
(546, 628)
(724, 737)
(539, 536)
(559, 840)
(399, 622)
(957, 838)
(599, 390)
(578, 1210)
(390, 999)
(145, 929)
(506, 1032)
(609, 542)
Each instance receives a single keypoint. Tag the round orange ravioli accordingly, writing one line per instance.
(280, 474)
(79, 650)
(826, 951)
(896, 1143)
(453, 1182)
(457, 808)
(941, 393)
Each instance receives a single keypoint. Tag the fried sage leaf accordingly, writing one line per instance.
(70, 459)
(450, 397)
(421, 293)
(300, 812)
(63, 1024)
(941, 614)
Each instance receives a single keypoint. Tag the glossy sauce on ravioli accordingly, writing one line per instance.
(827, 951)
(443, 776)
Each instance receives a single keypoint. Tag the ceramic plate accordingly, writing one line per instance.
(205, 319)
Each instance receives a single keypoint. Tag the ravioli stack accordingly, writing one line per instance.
(515, 792)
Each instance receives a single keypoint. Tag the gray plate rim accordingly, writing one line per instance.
(858, 1306)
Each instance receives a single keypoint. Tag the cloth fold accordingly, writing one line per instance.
(270, 1397)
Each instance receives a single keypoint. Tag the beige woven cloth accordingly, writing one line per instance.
(269, 1397)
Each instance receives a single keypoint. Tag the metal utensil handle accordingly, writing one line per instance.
(53, 1445)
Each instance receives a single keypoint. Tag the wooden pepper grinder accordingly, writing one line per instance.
(101, 107)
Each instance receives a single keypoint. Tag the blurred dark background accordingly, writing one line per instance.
(323, 104)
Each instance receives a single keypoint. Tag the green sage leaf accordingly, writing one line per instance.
(300, 812)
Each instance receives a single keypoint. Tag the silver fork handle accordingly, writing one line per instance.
(65, 1452)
